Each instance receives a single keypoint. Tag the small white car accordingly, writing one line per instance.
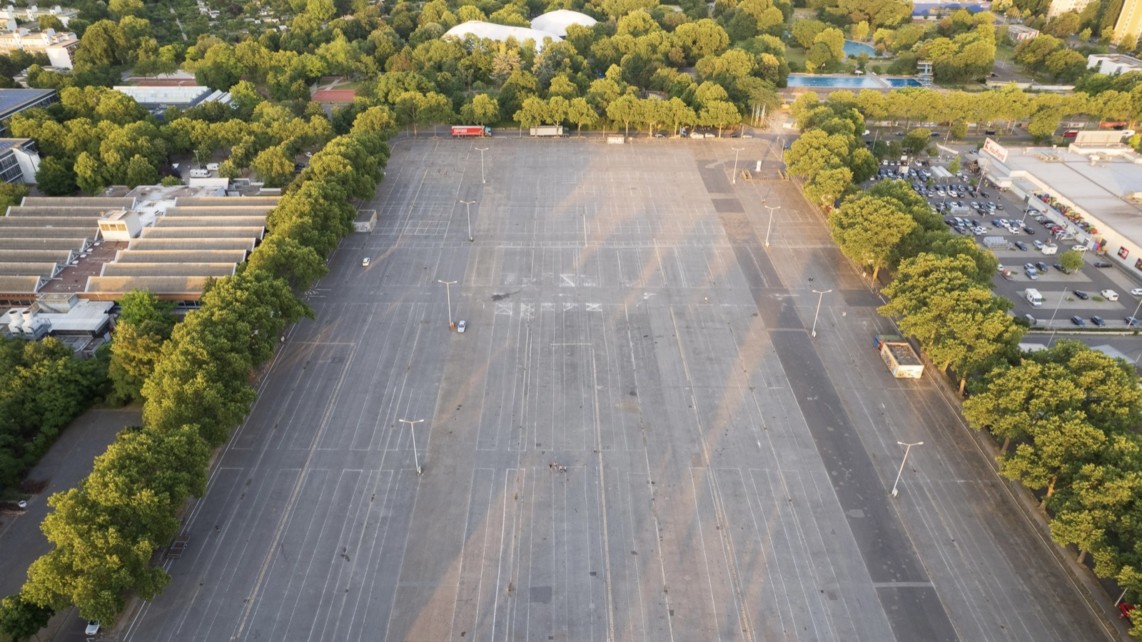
(365, 262)
(92, 628)
(1109, 295)
(1136, 292)
(461, 326)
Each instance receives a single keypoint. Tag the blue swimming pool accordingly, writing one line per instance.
(838, 82)
(853, 48)
(903, 82)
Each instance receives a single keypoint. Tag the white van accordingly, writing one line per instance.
(1049, 249)
(1034, 297)
(199, 173)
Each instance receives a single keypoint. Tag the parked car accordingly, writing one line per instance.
(1059, 267)
(365, 262)
(461, 326)
(1136, 292)
(1082, 295)
(1038, 244)
(1031, 273)
(1020, 245)
(1101, 264)
(92, 628)
(1132, 322)
(1077, 320)
(1098, 321)
(1042, 267)
(1109, 295)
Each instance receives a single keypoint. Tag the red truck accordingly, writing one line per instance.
(470, 131)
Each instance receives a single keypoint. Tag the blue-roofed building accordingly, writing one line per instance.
(14, 101)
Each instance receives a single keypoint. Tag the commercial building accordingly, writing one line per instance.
(57, 46)
(1093, 188)
(1129, 21)
(1113, 64)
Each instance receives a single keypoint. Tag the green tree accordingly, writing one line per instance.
(54, 178)
(140, 171)
(21, 619)
(867, 229)
(89, 174)
(11, 194)
(274, 166)
(1071, 261)
(482, 110)
(580, 112)
(720, 114)
(625, 110)
(955, 165)
(916, 140)
(144, 324)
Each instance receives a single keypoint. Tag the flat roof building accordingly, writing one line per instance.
(1093, 189)
(1113, 64)
(181, 96)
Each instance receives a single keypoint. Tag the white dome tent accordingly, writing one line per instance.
(500, 33)
(556, 22)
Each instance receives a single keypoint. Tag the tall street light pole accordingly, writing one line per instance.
(468, 209)
(734, 180)
(448, 295)
(412, 431)
(907, 447)
(769, 228)
(820, 297)
(482, 150)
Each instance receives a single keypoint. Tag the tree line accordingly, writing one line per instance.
(105, 532)
(1068, 418)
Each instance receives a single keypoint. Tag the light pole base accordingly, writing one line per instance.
(894, 492)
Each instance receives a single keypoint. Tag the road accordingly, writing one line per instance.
(637, 438)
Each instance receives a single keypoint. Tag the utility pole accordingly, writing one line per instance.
(734, 180)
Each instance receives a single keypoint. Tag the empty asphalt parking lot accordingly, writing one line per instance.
(637, 438)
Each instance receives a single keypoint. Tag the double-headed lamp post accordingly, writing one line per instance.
(468, 211)
(907, 447)
(412, 431)
(734, 179)
(482, 150)
(768, 228)
(448, 295)
(820, 297)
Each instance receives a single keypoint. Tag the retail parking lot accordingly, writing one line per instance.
(1067, 298)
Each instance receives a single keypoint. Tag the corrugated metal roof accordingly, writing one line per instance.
(46, 270)
(20, 284)
(43, 244)
(192, 244)
(212, 221)
(51, 222)
(212, 211)
(169, 269)
(36, 256)
(119, 202)
(179, 256)
(167, 286)
(15, 233)
(203, 232)
(226, 201)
